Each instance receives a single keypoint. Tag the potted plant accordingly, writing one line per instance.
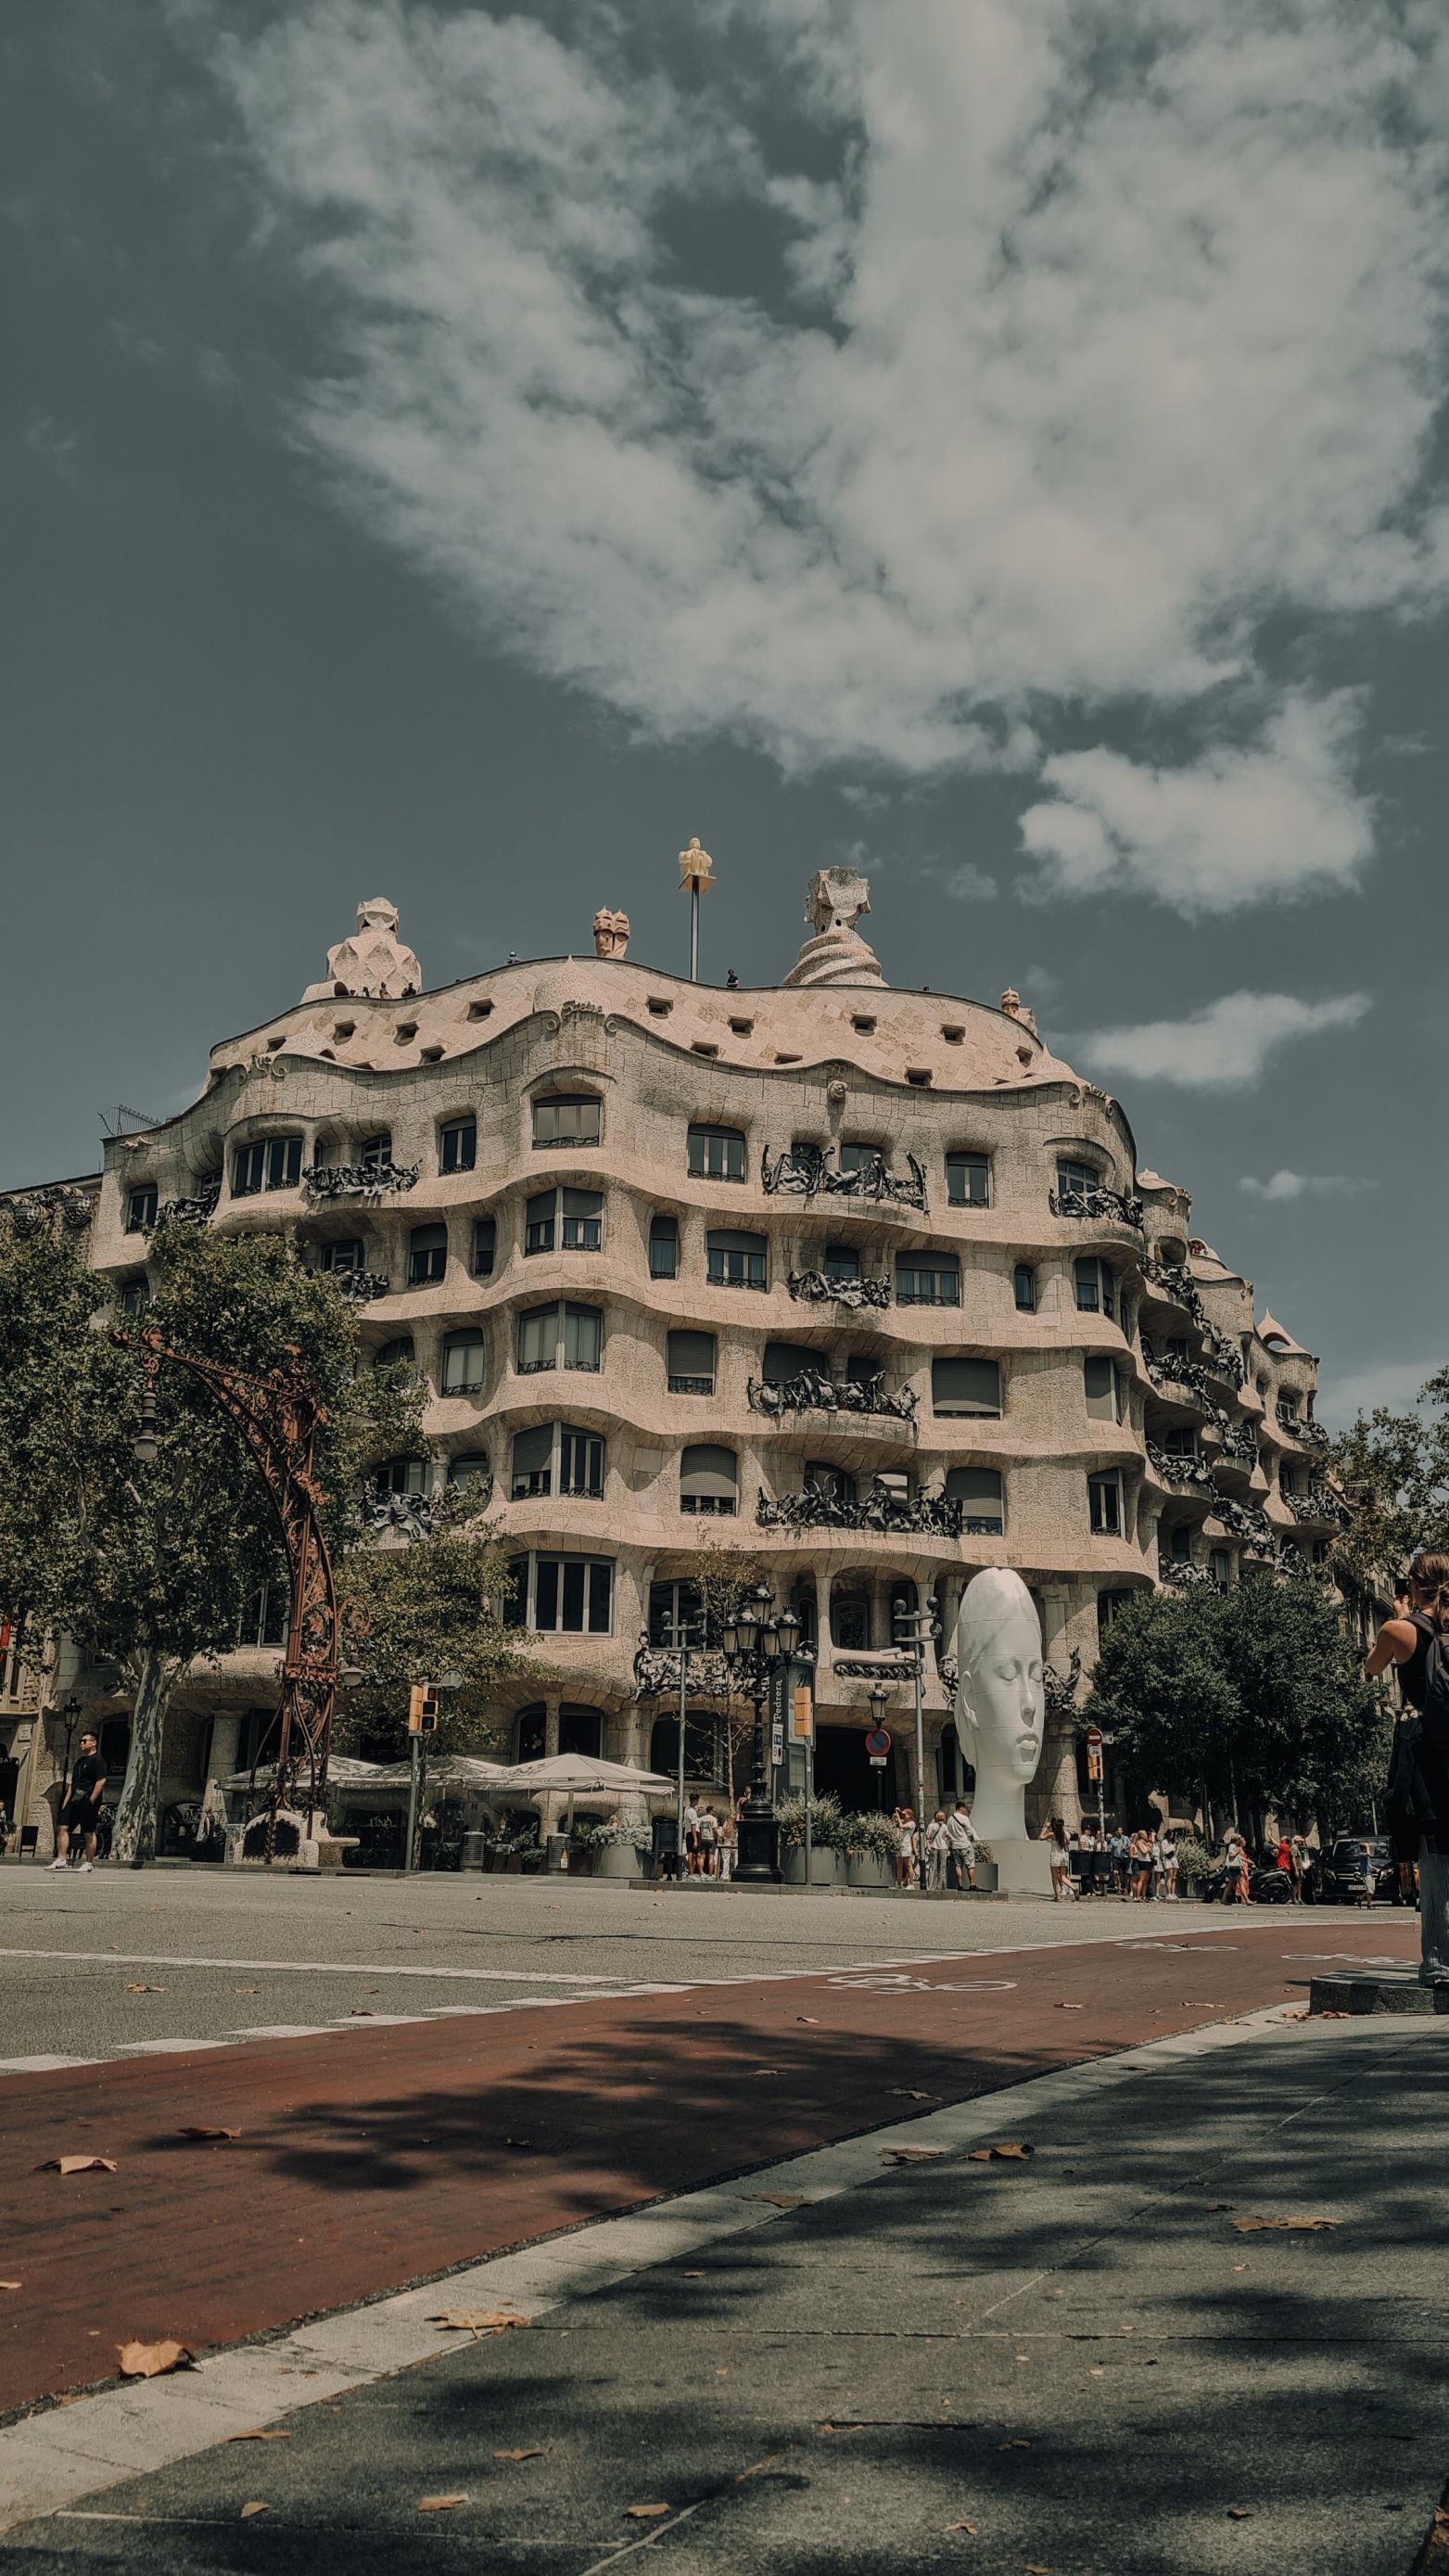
(985, 1870)
(825, 1824)
(583, 1846)
(620, 1851)
(870, 1850)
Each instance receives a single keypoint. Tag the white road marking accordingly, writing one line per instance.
(322, 1967)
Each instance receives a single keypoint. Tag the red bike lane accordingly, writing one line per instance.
(367, 2159)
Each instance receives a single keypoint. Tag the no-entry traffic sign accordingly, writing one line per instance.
(1094, 1737)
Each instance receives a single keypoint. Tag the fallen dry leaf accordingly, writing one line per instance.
(1213, 2206)
(1011, 2151)
(364, 2012)
(261, 2433)
(1071, 2007)
(809, 2021)
(1013, 2446)
(246, 1990)
(1037, 2567)
(256, 2506)
(962, 2526)
(77, 2164)
(1333, 2016)
(154, 2360)
(518, 2142)
(12, 2285)
(644, 2512)
(440, 2503)
(145, 1990)
(782, 2199)
(908, 2093)
(766, 2070)
(691, 2276)
(537, 2453)
(478, 2320)
(912, 2155)
(1284, 2226)
(195, 2130)
(1239, 2512)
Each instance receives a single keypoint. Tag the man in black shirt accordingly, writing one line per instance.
(82, 1805)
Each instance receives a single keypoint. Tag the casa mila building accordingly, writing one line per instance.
(866, 1284)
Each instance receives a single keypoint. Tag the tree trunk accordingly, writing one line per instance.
(138, 1814)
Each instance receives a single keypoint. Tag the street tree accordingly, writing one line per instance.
(153, 1566)
(722, 1576)
(413, 1611)
(1394, 1470)
(1250, 1699)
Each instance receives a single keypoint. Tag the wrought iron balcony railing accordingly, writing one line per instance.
(656, 1671)
(361, 1285)
(1170, 1469)
(806, 1171)
(1176, 1281)
(820, 1507)
(821, 1288)
(328, 1181)
(1185, 1578)
(1102, 1202)
(811, 1391)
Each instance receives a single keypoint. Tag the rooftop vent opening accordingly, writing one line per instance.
(862, 1020)
(787, 1059)
(432, 1055)
(953, 1033)
(479, 1010)
(1023, 1055)
(920, 1075)
(328, 1055)
(703, 1046)
(742, 1028)
(343, 1029)
(279, 1041)
(405, 1032)
(660, 1009)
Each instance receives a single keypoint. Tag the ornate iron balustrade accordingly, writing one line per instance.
(1059, 1690)
(1177, 1282)
(656, 1671)
(198, 1209)
(922, 1515)
(1252, 1525)
(1184, 1578)
(361, 1286)
(818, 1288)
(1320, 1503)
(807, 1172)
(1169, 1469)
(326, 1181)
(873, 1668)
(64, 1210)
(811, 1391)
(1102, 1202)
(1187, 1374)
(1313, 1436)
(1239, 1439)
(414, 1515)
(1222, 1358)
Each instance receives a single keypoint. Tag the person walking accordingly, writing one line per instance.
(1167, 1853)
(1417, 1646)
(962, 1839)
(1299, 1864)
(708, 1843)
(81, 1807)
(938, 1847)
(726, 1846)
(1059, 1854)
(1139, 1863)
(1087, 1846)
(904, 1820)
(691, 1838)
(1120, 1850)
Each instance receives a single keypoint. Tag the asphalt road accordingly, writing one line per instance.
(125, 1961)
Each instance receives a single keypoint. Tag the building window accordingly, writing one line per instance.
(462, 1370)
(968, 1180)
(562, 1595)
(979, 1491)
(135, 1295)
(141, 1208)
(396, 1353)
(581, 1732)
(427, 1255)
(568, 1118)
(559, 1336)
(1096, 1288)
(1219, 1567)
(1287, 1409)
(458, 1145)
(1104, 1503)
(927, 1279)
(1180, 1442)
(716, 1154)
(966, 1386)
(1076, 1176)
(709, 1479)
(850, 1622)
(375, 1152)
(572, 1220)
(676, 1615)
(862, 1158)
(664, 1247)
(1289, 1485)
(1023, 1288)
(1109, 1606)
(469, 1467)
(530, 1734)
(735, 1260)
(689, 1361)
(822, 1476)
(701, 1747)
(1180, 1544)
(407, 1476)
(347, 1253)
(842, 1261)
(556, 1458)
(264, 1620)
(784, 1360)
(274, 1163)
(1103, 1381)
(485, 1246)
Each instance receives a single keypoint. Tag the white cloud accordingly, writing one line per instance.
(1223, 1046)
(1112, 337)
(1305, 1185)
(1277, 818)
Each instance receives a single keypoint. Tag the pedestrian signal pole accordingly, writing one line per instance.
(422, 1720)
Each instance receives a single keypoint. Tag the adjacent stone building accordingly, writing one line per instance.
(867, 1282)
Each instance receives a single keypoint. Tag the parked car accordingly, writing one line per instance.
(1356, 1870)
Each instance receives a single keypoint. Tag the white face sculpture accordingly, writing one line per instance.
(1002, 1707)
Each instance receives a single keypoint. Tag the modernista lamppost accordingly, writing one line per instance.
(757, 1640)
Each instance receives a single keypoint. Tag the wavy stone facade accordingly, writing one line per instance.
(935, 1316)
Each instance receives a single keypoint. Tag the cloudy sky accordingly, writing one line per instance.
(458, 452)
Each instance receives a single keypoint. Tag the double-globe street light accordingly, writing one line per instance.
(757, 1641)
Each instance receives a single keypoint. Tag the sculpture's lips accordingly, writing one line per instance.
(1028, 1743)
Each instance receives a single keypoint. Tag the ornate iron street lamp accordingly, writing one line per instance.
(757, 1641)
(880, 1700)
(278, 1417)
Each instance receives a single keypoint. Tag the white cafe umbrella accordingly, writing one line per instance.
(449, 1771)
(574, 1775)
(344, 1771)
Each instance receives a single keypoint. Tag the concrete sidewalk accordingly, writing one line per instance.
(1083, 2355)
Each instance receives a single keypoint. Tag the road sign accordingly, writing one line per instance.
(877, 1744)
(1094, 1738)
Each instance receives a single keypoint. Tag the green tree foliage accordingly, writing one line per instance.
(410, 1613)
(1256, 1696)
(1394, 1469)
(153, 1565)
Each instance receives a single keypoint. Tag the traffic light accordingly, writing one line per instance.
(422, 1709)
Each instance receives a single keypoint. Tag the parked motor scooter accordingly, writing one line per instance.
(1265, 1886)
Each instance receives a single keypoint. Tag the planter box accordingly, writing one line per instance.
(869, 1869)
(824, 1869)
(986, 1877)
(619, 1860)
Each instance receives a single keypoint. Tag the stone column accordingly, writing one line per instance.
(1054, 1791)
(550, 1729)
